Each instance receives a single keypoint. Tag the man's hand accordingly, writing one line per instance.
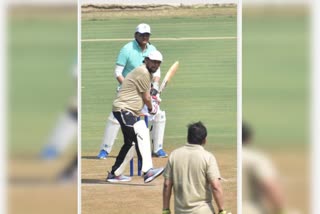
(153, 92)
(156, 99)
(154, 89)
(155, 107)
(166, 211)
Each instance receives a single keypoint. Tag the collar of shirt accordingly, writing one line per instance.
(193, 146)
(138, 46)
(144, 66)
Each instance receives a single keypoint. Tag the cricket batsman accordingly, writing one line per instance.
(131, 56)
(134, 93)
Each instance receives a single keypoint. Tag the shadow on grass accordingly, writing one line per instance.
(95, 157)
(99, 181)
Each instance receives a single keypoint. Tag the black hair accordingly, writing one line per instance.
(197, 133)
(246, 133)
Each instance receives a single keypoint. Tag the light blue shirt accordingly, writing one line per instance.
(131, 56)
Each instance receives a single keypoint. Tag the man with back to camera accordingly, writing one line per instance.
(260, 181)
(193, 174)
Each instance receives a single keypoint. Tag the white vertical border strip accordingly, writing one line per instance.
(79, 104)
(3, 106)
(315, 107)
(239, 107)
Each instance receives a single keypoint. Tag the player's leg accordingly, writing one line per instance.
(157, 134)
(63, 135)
(110, 135)
(126, 120)
(144, 151)
(69, 173)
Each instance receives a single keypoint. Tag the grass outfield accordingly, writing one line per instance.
(276, 74)
(42, 49)
(204, 88)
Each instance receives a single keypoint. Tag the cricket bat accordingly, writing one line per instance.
(172, 70)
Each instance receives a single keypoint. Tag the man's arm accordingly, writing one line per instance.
(156, 79)
(167, 188)
(155, 83)
(273, 193)
(217, 193)
(120, 79)
(147, 99)
(118, 73)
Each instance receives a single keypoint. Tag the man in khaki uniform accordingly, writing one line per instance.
(134, 93)
(194, 175)
(260, 183)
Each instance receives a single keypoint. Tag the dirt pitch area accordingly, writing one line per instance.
(33, 186)
(133, 197)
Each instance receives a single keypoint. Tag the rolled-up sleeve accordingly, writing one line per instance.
(212, 169)
(168, 170)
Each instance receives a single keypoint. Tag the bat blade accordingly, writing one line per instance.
(171, 72)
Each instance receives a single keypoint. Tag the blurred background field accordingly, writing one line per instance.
(42, 50)
(204, 88)
(276, 92)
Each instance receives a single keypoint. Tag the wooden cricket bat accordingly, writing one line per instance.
(172, 70)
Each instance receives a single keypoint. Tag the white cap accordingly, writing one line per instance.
(143, 28)
(155, 55)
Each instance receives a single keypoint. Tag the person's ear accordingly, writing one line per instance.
(204, 141)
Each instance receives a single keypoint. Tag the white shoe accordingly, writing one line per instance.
(115, 179)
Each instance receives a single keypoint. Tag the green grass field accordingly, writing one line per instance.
(276, 74)
(204, 87)
(42, 49)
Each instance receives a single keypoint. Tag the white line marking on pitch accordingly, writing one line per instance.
(163, 39)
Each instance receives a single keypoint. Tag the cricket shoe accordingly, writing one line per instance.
(160, 154)
(116, 179)
(152, 174)
(102, 154)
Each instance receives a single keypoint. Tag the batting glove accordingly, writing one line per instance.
(222, 212)
(166, 211)
(155, 89)
(156, 99)
(155, 85)
(155, 107)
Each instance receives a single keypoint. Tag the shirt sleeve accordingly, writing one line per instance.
(168, 170)
(143, 84)
(122, 57)
(264, 169)
(213, 169)
(118, 70)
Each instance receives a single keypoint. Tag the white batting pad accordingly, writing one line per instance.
(110, 133)
(157, 132)
(64, 133)
(143, 138)
(126, 160)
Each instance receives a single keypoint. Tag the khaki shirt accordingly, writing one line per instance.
(190, 168)
(134, 85)
(256, 167)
